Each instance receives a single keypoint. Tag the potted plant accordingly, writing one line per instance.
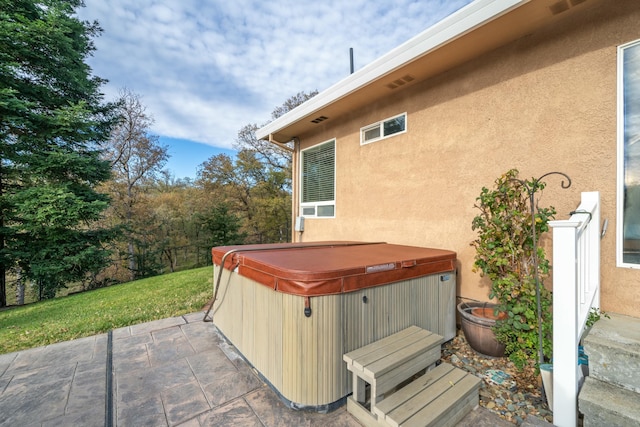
(478, 320)
(508, 228)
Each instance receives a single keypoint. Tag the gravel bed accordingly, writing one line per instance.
(511, 394)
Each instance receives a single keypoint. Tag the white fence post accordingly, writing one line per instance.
(576, 288)
(565, 320)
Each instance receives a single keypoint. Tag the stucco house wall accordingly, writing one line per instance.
(546, 102)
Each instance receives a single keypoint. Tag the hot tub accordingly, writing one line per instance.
(293, 310)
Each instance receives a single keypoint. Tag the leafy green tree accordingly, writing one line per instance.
(52, 121)
(220, 227)
(256, 185)
(245, 185)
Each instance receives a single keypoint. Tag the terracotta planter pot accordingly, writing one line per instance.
(477, 327)
(488, 313)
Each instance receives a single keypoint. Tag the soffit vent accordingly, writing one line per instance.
(319, 119)
(401, 81)
(563, 6)
(559, 7)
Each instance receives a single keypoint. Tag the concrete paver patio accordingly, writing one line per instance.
(173, 372)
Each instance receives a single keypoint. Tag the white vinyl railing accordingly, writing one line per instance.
(576, 289)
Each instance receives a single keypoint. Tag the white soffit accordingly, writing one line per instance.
(468, 18)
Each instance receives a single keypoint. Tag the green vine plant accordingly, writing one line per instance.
(505, 255)
(594, 315)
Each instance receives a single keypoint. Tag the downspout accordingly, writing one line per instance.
(294, 174)
(280, 144)
(295, 194)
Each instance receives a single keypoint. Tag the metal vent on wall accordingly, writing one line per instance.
(319, 119)
(401, 81)
(563, 6)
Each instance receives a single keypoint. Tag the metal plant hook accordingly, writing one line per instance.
(531, 188)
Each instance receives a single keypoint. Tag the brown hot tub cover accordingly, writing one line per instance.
(326, 268)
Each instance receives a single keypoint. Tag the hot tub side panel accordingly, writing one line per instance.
(313, 370)
(300, 356)
(374, 313)
(227, 310)
(247, 313)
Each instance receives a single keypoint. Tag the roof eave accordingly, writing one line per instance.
(468, 18)
(474, 30)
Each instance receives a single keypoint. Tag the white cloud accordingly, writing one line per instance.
(207, 68)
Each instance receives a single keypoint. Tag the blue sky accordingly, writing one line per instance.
(206, 68)
(187, 155)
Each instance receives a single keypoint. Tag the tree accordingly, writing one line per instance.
(52, 122)
(256, 185)
(238, 182)
(136, 159)
(220, 227)
(268, 153)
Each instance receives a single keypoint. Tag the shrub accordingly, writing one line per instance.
(506, 255)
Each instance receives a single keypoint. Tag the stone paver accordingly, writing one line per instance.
(171, 372)
(53, 383)
(273, 413)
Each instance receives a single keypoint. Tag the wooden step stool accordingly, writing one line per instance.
(429, 400)
(441, 397)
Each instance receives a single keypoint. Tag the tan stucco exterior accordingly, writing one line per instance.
(546, 102)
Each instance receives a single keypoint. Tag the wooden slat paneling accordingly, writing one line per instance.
(302, 357)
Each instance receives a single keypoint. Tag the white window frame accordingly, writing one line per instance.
(380, 125)
(621, 158)
(323, 203)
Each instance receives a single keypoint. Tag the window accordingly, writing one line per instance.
(628, 223)
(318, 180)
(383, 129)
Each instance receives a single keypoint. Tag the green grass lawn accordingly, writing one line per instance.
(98, 311)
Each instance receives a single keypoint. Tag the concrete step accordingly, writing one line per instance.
(535, 422)
(613, 347)
(604, 404)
